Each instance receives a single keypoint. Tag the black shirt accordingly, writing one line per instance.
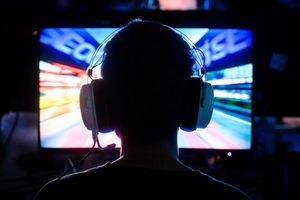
(110, 181)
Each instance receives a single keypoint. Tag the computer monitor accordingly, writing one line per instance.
(65, 53)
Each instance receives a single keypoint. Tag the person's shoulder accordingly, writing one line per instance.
(220, 188)
(76, 183)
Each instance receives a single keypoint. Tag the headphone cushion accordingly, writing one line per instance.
(206, 105)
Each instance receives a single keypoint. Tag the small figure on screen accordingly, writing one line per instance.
(148, 91)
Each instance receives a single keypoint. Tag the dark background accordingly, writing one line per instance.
(269, 171)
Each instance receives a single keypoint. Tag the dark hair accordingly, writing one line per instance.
(147, 65)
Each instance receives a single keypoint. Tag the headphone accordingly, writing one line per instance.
(196, 111)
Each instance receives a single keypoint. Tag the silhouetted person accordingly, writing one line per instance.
(147, 71)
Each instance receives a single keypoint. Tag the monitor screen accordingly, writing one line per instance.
(66, 52)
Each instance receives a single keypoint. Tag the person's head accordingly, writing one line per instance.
(147, 67)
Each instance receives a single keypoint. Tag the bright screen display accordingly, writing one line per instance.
(66, 52)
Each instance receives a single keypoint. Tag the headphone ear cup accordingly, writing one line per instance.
(87, 107)
(198, 105)
(206, 105)
(94, 106)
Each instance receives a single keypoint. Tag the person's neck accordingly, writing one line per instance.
(163, 156)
